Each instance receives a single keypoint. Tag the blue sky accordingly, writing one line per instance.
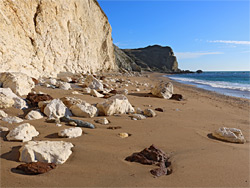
(209, 35)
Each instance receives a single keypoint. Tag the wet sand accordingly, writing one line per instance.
(182, 131)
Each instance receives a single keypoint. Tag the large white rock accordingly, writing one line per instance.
(84, 110)
(46, 151)
(71, 132)
(229, 134)
(12, 119)
(19, 102)
(24, 132)
(5, 101)
(34, 114)
(117, 104)
(18, 82)
(163, 90)
(56, 109)
(93, 83)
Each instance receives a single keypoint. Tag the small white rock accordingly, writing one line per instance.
(149, 113)
(12, 119)
(24, 132)
(96, 93)
(3, 114)
(32, 115)
(103, 121)
(4, 129)
(71, 132)
(138, 116)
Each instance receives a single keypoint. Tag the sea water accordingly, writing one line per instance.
(232, 83)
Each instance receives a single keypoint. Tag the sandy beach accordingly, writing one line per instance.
(182, 131)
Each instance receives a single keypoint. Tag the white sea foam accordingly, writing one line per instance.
(215, 84)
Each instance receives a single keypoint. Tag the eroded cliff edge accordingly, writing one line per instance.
(45, 37)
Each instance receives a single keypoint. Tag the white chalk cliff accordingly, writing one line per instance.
(45, 37)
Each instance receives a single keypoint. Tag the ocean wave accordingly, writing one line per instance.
(215, 84)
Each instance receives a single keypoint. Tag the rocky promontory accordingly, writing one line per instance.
(154, 58)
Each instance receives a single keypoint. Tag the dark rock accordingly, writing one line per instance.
(34, 99)
(34, 168)
(113, 128)
(199, 71)
(113, 91)
(150, 156)
(79, 123)
(159, 110)
(177, 97)
(107, 95)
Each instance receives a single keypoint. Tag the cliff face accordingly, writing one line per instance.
(156, 58)
(45, 37)
(123, 61)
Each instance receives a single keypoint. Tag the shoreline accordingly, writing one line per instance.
(203, 84)
(181, 131)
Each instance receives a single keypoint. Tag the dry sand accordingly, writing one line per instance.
(181, 131)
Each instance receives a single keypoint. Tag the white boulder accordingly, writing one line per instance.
(12, 119)
(84, 110)
(19, 83)
(71, 132)
(24, 132)
(5, 101)
(18, 102)
(93, 83)
(96, 93)
(117, 104)
(46, 151)
(163, 90)
(34, 114)
(229, 134)
(56, 109)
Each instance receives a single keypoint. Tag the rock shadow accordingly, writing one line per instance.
(12, 155)
(3, 135)
(210, 136)
(142, 95)
(53, 135)
(14, 170)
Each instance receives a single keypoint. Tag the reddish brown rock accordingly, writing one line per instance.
(35, 81)
(113, 91)
(177, 97)
(150, 156)
(36, 98)
(159, 110)
(35, 168)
